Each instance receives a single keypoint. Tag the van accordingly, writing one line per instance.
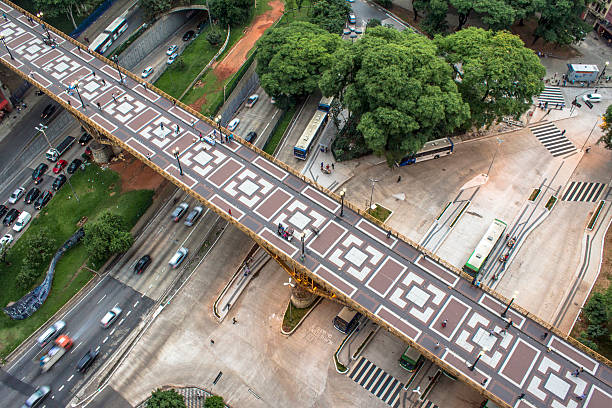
(352, 18)
(51, 333)
(411, 360)
(347, 320)
(595, 97)
(22, 221)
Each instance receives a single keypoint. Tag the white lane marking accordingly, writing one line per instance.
(101, 299)
(75, 347)
(97, 348)
(60, 388)
(23, 379)
(71, 377)
(53, 397)
(121, 321)
(136, 304)
(112, 332)
(128, 313)
(156, 277)
(143, 295)
(104, 341)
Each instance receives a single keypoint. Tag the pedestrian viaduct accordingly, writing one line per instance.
(510, 356)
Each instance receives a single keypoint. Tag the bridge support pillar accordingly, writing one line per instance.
(301, 297)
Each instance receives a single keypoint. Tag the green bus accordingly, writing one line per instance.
(485, 246)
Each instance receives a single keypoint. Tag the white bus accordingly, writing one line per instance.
(313, 130)
(433, 149)
(110, 34)
(485, 246)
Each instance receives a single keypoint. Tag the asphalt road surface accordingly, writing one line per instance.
(260, 119)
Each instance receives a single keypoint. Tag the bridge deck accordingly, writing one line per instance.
(383, 276)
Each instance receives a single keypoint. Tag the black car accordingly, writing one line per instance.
(43, 200)
(85, 138)
(86, 361)
(32, 195)
(11, 216)
(59, 182)
(48, 111)
(188, 35)
(250, 137)
(74, 165)
(38, 172)
(142, 264)
(3, 210)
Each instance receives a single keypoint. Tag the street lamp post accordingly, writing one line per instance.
(342, 194)
(40, 16)
(6, 46)
(75, 85)
(499, 142)
(373, 181)
(41, 128)
(176, 153)
(303, 256)
(509, 304)
(291, 285)
(603, 71)
(473, 366)
(116, 61)
(590, 133)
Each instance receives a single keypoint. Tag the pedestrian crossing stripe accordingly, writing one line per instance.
(552, 95)
(553, 139)
(429, 404)
(377, 381)
(583, 191)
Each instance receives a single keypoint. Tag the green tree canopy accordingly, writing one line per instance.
(232, 12)
(496, 74)
(42, 247)
(400, 90)
(166, 399)
(560, 22)
(108, 235)
(330, 14)
(214, 401)
(153, 8)
(290, 59)
(53, 8)
(606, 126)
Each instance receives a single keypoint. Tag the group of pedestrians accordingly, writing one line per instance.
(325, 168)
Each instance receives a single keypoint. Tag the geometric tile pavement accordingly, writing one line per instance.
(401, 288)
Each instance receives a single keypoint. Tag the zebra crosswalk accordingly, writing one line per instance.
(429, 404)
(554, 97)
(377, 381)
(553, 139)
(583, 191)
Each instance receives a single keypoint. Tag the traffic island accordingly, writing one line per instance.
(295, 316)
(379, 212)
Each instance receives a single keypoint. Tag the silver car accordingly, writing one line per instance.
(16, 195)
(35, 399)
(193, 216)
(110, 317)
(51, 333)
(178, 257)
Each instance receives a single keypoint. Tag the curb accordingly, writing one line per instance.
(290, 332)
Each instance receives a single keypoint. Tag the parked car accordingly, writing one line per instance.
(193, 216)
(32, 195)
(110, 317)
(6, 240)
(16, 195)
(146, 72)
(74, 166)
(3, 210)
(39, 395)
(43, 200)
(39, 172)
(85, 138)
(252, 100)
(188, 35)
(51, 333)
(59, 166)
(233, 124)
(10, 216)
(48, 111)
(178, 257)
(250, 137)
(172, 49)
(171, 58)
(179, 211)
(59, 182)
(142, 264)
(87, 360)
(22, 221)
(595, 97)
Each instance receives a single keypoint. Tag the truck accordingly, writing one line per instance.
(61, 345)
(54, 154)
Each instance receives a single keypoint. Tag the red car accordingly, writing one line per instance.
(59, 166)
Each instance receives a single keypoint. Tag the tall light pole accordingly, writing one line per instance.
(116, 61)
(40, 16)
(176, 153)
(291, 285)
(303, 256)
(75, 85)
(342, 194)
(509, 304)
(590, 133)
(41, 128)
(473, 366)
(499, 142)
(603, 71)
(6, 46)
(373, 181)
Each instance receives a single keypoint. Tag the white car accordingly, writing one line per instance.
(178, 257)
(171, 58)
(233, 124)
(147, 71)
(592, 97)
(110, 316)
(252, 100)
(6, 240)
(16, 195)
(172, 49)
(22, 221)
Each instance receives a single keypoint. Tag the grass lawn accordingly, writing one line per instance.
(295, 14)
(293, 315)
(98, 190)
(62, 22)
(277, 136)
(381, 213)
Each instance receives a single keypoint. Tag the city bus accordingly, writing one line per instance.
(433, 149)
(109, 35)
(485, 246)
(313, 130)
(347, 320)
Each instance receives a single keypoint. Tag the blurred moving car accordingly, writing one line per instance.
(252, 100)
(16, 195)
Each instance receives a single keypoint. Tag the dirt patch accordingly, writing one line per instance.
(238, 54)
(135, 175)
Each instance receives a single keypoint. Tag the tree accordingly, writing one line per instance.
(214, 36)
(42, 247)
(330, 14)
(497, 14)
(290, 59)
(435, 20)
(53, 8)
(153, 8)
(496, 74)
(214, 401)
(398, 88)
(232, 12)
(106, 236)
(373, 22)
(560, 22)
(606, 126)
(166, 399)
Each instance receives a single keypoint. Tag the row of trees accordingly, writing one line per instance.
(172, 399)
(401, 88)
(606, 126)
(598, 319)
(558, 21)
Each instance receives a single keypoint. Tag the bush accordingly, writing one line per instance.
(214, 401)
(214, 36)
(373, 22)
(166, 399)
